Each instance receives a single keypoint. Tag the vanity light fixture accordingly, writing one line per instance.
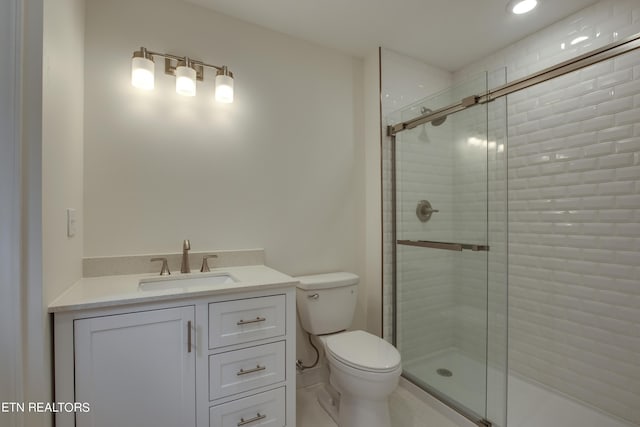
(185, 70)
(224, 86)
(520, 7)
(142, 69)
(186, 77)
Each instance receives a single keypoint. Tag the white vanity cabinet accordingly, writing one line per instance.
(137, 368)
(206, 361)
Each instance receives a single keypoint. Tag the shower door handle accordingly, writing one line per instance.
(444, 245)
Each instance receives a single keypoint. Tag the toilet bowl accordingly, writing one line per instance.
(364, 368)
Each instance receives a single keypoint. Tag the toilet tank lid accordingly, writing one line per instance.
(327, 280)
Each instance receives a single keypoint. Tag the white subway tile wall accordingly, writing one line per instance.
(574, 221)
(574, 241)
(425, 296)
(574, 212)
(405, 81)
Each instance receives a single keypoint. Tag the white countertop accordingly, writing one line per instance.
(109, 291)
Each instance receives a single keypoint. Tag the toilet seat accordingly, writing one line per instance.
(363, 351)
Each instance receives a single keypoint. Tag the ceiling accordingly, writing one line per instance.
(448, 34)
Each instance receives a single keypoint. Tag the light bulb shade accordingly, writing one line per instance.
(185, 80)
(224, 88)
(142, 73)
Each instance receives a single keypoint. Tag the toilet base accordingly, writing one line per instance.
(329, 400)
(363, 394)
(356, 412)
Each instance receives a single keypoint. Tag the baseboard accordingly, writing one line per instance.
(312, 376)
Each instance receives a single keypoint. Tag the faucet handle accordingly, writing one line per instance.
(186, 245)
(205, 264)
(165, 266)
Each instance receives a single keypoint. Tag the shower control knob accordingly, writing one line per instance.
(424, 210)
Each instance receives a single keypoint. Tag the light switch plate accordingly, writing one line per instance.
(71, 222)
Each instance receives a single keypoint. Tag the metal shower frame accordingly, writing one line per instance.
(590, 58)
(595, 56)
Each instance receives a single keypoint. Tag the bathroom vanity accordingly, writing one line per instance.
(199, 349)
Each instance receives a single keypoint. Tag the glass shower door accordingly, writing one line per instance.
(442, 247)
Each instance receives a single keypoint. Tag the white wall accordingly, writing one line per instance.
(25, 371)
(281, 168)
(10, 314)
(406, 80)
(54, 178)
(372, 239)
(275, 169)
(62, 143)
(36, 361)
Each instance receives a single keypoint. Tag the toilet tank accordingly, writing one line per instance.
(327, 302)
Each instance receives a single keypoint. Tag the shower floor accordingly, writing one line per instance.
(530, 405)
(466, 384)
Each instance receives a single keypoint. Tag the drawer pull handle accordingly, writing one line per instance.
(251, 371)
(256, 320)
(258, 417)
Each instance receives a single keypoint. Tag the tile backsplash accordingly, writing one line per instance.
(137, 264)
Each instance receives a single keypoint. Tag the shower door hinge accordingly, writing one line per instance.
(484, 423)
(390, 131)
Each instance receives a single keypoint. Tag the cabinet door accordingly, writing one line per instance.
(136, 369)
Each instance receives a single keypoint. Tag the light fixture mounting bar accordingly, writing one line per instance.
(170, 65)
(172, 61)
(180, 58)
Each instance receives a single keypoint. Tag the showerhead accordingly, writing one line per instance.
(436, 122)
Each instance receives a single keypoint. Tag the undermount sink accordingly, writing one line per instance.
(186, 281)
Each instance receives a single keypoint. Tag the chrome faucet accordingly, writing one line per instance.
(184, 267)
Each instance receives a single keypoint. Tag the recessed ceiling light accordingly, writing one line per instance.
(519, 7)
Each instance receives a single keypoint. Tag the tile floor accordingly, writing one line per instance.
(405, 408)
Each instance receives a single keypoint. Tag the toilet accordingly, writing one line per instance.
(364, 368)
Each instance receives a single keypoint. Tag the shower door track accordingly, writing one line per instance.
(590, 58)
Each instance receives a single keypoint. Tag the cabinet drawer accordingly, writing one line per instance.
(242, 370)
(240, 321)
(264, 409)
